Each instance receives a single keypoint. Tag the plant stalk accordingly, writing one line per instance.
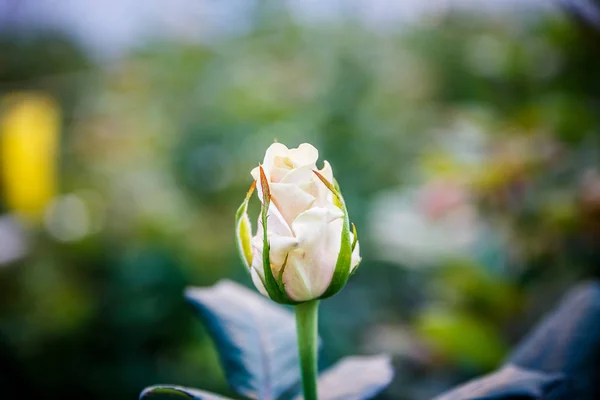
(306, 327)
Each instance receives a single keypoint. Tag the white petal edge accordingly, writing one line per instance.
(290, 200)
(256, 279)
(305, 154)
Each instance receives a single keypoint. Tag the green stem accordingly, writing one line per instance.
(306, 326)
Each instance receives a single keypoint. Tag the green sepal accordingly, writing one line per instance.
(243, 230)
(343, 264)
(355, 241)
(276, 292)
(280, 275)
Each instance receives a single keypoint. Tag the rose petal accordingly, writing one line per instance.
(280, 246)
(277, 174)
(290, 200)
(297, 279)
(305, 154)
(304, 177)
(324, 195)
(301, 174)
(275, 150)
(276, 224)
(326, 171)
(310, 267)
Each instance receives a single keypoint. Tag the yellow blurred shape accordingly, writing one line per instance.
(29, 134)
(439, 164)
(461, 339)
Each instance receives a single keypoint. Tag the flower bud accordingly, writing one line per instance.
(304, 248)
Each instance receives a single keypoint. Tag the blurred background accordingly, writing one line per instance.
(464, 133)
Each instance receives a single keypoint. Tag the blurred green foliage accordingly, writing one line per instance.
(157, 149)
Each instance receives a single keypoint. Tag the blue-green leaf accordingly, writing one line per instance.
(255, 338)
(178, 392)
(510, 382)
(355, 378)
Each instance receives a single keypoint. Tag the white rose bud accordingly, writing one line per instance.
(304, 248)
